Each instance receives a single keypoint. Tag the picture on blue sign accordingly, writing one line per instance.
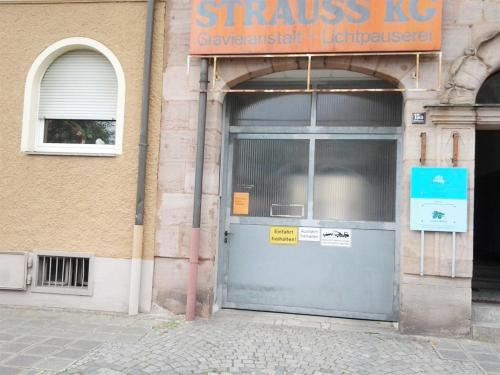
(439, 199)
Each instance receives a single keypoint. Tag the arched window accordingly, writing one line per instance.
(74, 101)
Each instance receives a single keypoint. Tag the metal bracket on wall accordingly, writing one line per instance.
(456, 139)
(309, 86)
(423, 148)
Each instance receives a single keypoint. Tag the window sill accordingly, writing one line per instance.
(71, 153)
(70, 150)
(62, 290)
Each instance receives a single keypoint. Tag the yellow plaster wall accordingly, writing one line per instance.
(74, 203)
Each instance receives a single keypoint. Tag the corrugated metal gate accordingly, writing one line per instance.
(326, 163)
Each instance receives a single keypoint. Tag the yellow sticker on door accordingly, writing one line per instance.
(283, 236)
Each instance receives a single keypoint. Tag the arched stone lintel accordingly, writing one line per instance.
(395, 69)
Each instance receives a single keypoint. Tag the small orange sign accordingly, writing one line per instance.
(241, 203)
(314, 26)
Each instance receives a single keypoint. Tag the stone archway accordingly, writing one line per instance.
(177, 168)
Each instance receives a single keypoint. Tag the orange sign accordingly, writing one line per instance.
(241, 203)
(222, 27)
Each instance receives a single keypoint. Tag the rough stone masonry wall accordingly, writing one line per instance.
(434, 303)
(177, 169)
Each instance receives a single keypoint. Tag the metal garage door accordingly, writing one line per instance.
(310, 204)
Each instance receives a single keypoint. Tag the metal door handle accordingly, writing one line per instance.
(226, 236)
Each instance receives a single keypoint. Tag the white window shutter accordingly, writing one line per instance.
(79, 85)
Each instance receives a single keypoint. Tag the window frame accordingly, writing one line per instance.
(32, 140)
(89, 291)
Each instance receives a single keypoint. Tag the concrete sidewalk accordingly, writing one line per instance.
(53, 342)
(34, 341)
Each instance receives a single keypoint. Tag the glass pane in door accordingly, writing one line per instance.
(270, 109)
(360, 109)
(270, 178)
(355, 180)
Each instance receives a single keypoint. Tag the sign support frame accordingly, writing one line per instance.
(453, 255)
(422, 250)
(309, 87)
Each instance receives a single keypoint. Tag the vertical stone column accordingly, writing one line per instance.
(436, 303)
(176, 173)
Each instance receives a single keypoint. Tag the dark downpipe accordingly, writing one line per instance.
(198, 183)
(137, 242)
(143, 145)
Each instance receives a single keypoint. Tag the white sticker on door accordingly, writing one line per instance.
(310, 234)
(336, 237)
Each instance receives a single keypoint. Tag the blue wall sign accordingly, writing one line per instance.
(438, 199)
